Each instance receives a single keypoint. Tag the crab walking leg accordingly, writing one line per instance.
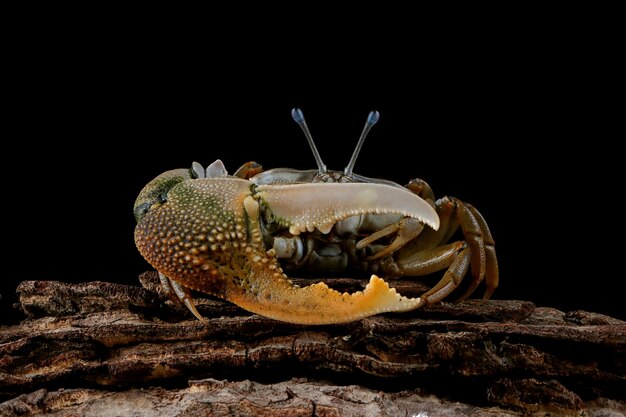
(430, 260)
(430, 238)
(491, 262)
(451, 279)
(422, 189)
(448, 206)
(184, 296)
(406, 230)
(474, 237)
(454, 214)
(179, 294)
(446, 210)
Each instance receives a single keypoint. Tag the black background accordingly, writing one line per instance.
(523, 132)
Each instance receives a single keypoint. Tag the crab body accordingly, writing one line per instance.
(231, 236)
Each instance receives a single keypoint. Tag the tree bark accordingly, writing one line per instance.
(100, 348)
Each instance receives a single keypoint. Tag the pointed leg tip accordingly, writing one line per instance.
(488, 293)
(193, 310)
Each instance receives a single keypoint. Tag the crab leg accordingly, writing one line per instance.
(179, 294)
(422, 189)
(491, 262)
(451, 279)
(474, 237)
(406, 230)
(431, 238)
(430, 260)
(424, 256)
(447, 206)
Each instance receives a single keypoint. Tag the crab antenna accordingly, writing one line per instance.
(372, 118)
(298, 116)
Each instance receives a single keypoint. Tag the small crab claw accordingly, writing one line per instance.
(306, 207)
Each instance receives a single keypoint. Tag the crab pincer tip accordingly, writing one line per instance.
(297, 115)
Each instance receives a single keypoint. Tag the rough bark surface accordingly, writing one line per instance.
(106, 349)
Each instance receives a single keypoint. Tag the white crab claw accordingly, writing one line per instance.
(304, 207)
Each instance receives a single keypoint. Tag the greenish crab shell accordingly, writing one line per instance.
(205, 234)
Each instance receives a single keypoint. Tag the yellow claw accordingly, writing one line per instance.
(319, 304)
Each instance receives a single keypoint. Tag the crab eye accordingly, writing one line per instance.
(162, 198)
(155, 192)
(141, 211)
(143, 208)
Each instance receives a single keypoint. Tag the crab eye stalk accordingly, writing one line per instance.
(372, 119)
(141, 210)
(155, 192)
(298, 116)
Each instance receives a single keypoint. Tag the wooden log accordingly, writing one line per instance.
(85, 347)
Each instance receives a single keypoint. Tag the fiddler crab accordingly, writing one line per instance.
(232, 236)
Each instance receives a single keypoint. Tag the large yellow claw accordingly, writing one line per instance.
(205, 234)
